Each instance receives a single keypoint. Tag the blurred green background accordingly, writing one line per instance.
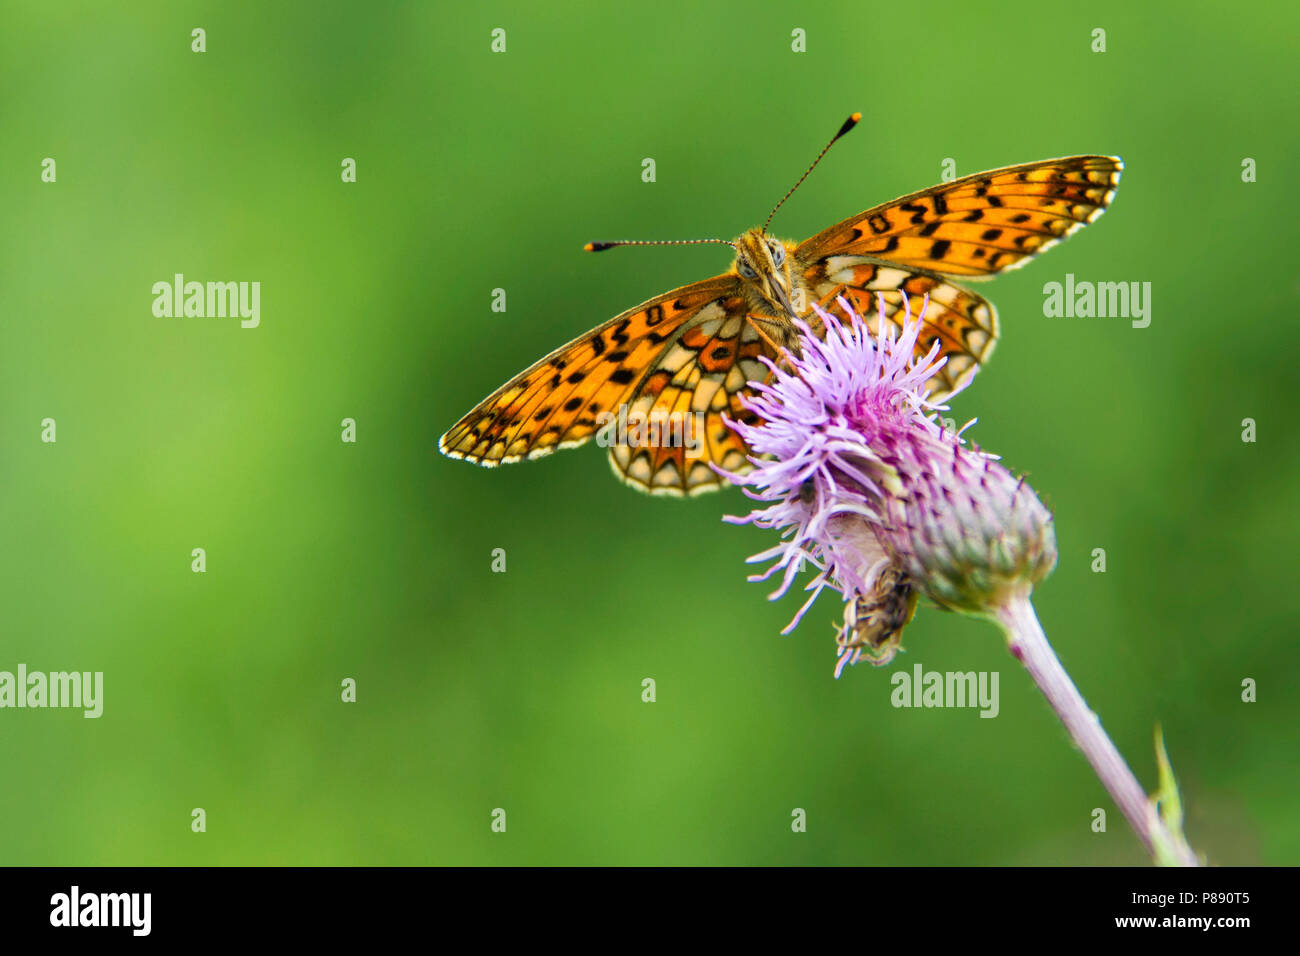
(522, 690)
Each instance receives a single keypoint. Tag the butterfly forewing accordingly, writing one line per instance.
(665, 354)
(979, 225)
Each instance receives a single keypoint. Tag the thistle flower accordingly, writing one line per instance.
(866, 486)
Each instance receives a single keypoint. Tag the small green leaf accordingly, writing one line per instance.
(1167, 805)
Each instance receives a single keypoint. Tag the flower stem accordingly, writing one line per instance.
(1029, 645)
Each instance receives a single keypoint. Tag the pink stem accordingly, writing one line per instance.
(1029, 645)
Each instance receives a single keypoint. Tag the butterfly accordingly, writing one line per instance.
(685, 359)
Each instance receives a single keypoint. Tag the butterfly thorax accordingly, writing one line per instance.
(770, 284)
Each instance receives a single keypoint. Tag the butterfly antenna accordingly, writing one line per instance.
(849, 123)
(602, 246)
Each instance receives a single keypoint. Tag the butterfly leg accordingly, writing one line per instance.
(826, 303)
(831, 296)
(756, 323)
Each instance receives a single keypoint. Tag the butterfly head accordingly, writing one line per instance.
(763, 263)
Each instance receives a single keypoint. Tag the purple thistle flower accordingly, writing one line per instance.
(867, 487)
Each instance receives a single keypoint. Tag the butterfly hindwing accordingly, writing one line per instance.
(964, 322)
(690, 387)
(979, 225)
(684, 351)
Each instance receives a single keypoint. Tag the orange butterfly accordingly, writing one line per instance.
(686, 357)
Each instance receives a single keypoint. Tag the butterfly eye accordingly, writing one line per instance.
(746, 271)
(778, 253)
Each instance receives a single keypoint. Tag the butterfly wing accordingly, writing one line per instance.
(964, 322)
(691, 386)
(982, 224)
(665, 355)
(974, 227)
